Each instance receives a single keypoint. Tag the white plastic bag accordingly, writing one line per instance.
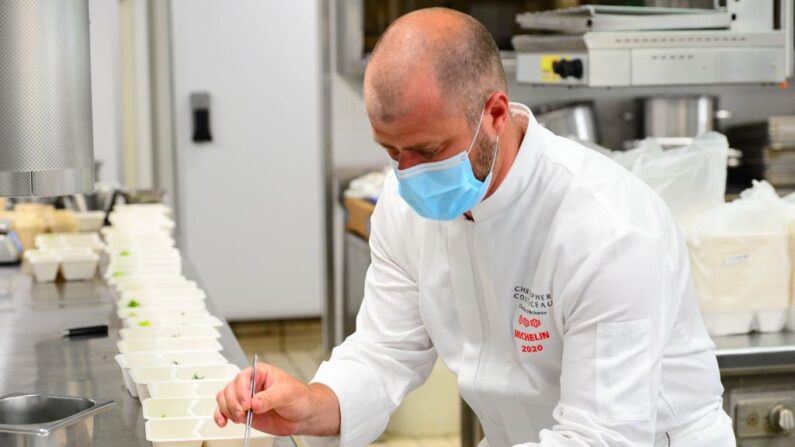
(690, 179)
(740, 260)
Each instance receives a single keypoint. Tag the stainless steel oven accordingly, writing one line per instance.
(359, 23)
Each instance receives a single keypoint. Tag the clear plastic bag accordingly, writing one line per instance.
(740, 259)
(690, 179)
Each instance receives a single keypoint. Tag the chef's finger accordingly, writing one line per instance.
(222, 409)
(243, 388)
(220, 419)
(235, 411)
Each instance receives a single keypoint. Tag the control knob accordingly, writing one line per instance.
(565, 68)
(782, 418)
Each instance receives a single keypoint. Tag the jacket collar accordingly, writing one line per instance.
(520, 172)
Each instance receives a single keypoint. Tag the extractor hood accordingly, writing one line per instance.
(45, 98)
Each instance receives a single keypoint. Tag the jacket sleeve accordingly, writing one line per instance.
(617, 313)
(390, 353)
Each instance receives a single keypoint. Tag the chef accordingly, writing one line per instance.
(548, 279)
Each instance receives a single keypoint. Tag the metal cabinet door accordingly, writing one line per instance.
(250, 200)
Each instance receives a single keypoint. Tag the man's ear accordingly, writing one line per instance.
(497, 114)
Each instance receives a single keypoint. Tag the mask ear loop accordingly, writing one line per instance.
(496, 152)
(477, 131)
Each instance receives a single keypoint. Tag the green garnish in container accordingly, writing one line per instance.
(175, 362)
(145, 323)
(133, 303)
(132, 315)
(196, 376)
(125, 253)
(118, 274)
(163, 415)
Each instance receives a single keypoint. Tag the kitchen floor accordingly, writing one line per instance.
(295, 347)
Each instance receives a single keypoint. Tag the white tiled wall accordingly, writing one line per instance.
(352, 139)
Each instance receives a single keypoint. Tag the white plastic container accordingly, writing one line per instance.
(145, 376)
(89, 220)
(178, 408)
(201, 432)
(166, 311)
(160, 269)
(78, 265)
(193, 389)
(169, 332)
(118, 276)
(161, 303)
(43, 264)
(164, 292)
(163, 359)
(157, 208)
(159, 321)
(69, 240)
(168, 344)
(135, 283)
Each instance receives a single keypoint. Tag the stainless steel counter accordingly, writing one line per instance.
(34, 357)
(763, 353)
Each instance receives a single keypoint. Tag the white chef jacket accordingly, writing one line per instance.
(565, 308)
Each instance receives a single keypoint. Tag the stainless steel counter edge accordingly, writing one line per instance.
(762, 353)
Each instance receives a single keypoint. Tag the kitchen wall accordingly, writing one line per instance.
(105, 97)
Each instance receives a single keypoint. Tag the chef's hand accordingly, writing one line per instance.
(282, 404)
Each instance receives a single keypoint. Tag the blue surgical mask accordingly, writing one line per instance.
(446, 189)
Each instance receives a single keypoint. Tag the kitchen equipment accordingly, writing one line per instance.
(768, 151)
(86, 331)
(572, 119)
(678, 116)
(45, 98)
(586, 18)
(603, 46)
(40, 420)
(250, 414)
(359, 24)
(10, 246)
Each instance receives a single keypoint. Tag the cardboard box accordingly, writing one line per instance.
(358, 219)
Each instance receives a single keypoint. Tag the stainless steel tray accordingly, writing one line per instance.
(586, 18)
(42, 420)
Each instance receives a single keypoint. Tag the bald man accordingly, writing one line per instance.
(553, 283)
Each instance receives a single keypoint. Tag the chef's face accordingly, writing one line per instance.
(431, 129)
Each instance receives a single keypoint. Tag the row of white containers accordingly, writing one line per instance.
(170, 357)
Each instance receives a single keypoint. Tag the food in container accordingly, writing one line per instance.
(145, 376)
(178, 408)
(163, 359)
(200, 388)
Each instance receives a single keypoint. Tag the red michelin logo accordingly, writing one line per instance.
(524, 321)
